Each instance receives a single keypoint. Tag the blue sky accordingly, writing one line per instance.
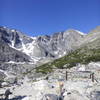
(38, 17)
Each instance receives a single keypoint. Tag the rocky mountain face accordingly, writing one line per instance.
(41, 47)
(92, 36)
(8, 40)
(54, 46)
(59, 44)
(9, 54)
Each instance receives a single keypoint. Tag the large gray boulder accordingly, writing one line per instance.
(50, 97)
(74, 95)
(95, 95)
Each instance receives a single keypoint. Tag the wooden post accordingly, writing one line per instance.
(92, 77)
(66, 75)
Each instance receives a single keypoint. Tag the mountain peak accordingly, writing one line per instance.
(75, 31)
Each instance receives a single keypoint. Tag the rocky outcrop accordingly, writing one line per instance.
(95, 95)
(9, 54)
(59, 44)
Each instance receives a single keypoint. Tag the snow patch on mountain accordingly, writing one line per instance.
(13, 30)
(80, 32)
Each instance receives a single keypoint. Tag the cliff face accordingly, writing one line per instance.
(9, 54)
(41, 47)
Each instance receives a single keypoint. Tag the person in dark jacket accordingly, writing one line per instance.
(7, 93)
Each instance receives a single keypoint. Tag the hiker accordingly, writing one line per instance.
(7, 93)
(62, 92)
(61, 96)
(61, 84)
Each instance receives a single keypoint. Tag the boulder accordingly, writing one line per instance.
(50, 97)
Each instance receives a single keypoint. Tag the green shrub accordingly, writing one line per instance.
(82, 56)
